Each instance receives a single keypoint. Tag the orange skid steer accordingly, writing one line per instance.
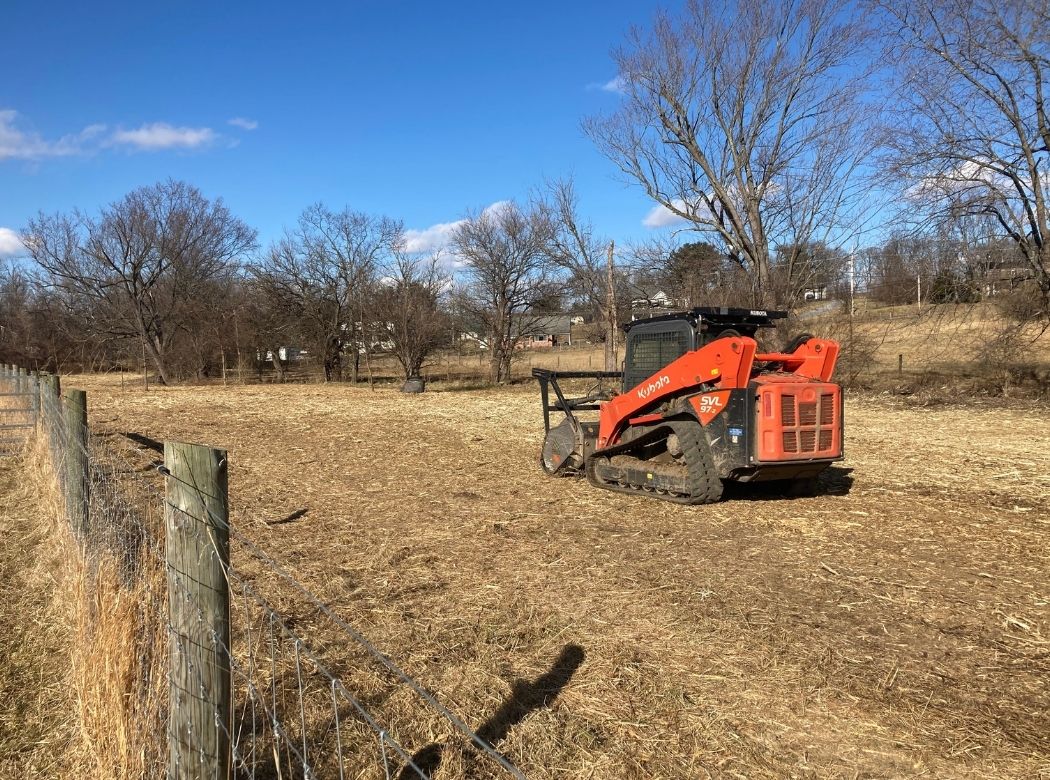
(698, 406)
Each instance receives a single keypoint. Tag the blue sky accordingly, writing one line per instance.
(417, 110)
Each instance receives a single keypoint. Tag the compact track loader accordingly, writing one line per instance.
(698, 406)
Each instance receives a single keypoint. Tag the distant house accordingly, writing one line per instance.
(1001, 276)
(648, 301)
(546, 332)
(818, 292)
(284, 354)
(531, 332)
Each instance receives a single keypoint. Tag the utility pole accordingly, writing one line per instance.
(918, 292)
(610, 313)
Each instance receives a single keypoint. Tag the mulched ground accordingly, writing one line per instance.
(895, 625)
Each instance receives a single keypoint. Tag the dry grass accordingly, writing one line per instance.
(104, 710)
(896, 625)
(37, 732)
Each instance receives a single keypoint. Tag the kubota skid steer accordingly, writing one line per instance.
(698, 406)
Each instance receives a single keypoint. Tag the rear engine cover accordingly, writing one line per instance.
(797, 421)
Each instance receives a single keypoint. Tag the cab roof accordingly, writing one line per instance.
(718, 316)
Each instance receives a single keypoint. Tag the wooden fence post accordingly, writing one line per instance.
(52, 403)
(34, 396)
(77, 469)
(196, 520)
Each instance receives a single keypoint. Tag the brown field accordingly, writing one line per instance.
(896, 625)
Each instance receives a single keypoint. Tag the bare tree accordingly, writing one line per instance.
(140, 267)
(589, 260)
(320, 274)
(744, 120)
(509, 275)
(406, 313)
(975, 140)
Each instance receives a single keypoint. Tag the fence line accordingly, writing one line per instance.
(239, 694)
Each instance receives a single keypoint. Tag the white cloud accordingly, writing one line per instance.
(437, 237)
(430, 239)
(17, 143)
(161, 135)
(494, 209)
(20, 143)
(618, 84)
(660, 216)
(243, 123)
(10, 243)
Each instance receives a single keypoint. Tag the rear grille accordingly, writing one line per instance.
(807, 426)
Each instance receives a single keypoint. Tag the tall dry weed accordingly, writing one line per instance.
(117, 655)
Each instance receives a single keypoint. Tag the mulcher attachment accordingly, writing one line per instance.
(562, 454)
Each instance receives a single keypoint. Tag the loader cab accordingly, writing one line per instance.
(654, 342)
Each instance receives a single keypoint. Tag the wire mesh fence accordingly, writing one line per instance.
(226, 683)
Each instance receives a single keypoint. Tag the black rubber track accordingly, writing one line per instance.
(702, 479)
(705, 487)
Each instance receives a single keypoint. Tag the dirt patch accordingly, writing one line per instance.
(898, 624)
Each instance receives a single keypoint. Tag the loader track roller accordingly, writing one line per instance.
(689, 478)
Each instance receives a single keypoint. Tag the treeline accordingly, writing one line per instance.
(779, 136)
(169, 276)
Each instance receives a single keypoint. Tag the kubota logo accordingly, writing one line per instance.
(652, 387)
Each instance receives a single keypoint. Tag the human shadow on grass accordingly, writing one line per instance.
(525, 698)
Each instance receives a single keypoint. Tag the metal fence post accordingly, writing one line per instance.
(196, 519)
(77, 473)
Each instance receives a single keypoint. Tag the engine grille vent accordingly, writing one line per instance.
(803, 423)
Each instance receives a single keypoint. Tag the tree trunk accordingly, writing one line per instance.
(156, 354)
(368, 368)
(333, 364)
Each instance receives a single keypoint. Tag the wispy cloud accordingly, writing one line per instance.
(617, 84)
(10, 244)
(20, 143)
(161, 135)
(243, 123)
